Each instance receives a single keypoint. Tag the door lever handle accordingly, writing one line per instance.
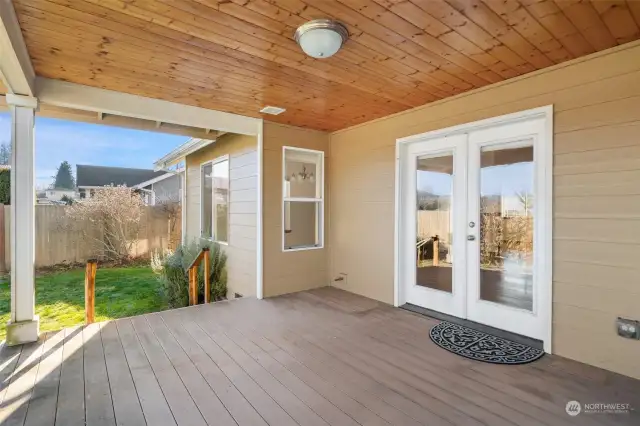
(471, 237)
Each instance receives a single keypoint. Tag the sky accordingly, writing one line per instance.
(84, 143)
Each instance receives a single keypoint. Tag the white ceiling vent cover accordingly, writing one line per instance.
(272, 110)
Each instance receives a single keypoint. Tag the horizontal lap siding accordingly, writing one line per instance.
(596, 196)
(287, 272)
(243, 189)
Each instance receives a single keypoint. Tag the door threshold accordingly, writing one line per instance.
(518, 338)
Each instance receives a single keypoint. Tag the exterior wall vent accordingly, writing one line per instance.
(272, 110)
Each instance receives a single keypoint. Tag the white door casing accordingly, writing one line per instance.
(533, 127)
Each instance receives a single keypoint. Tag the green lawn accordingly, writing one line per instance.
(120, 292)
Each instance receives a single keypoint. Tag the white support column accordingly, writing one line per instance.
(23, 326)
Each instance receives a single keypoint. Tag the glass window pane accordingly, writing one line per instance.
(221, 194)
(207, 201)
(434, 256)
(506, 226)
(303, 174)
(302, 229)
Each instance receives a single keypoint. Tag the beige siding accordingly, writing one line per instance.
(596, 205)
(243, 174)
(286, 272)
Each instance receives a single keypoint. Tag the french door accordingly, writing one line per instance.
(473, 215)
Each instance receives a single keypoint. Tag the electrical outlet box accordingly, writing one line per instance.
(628, 328)
(341, 279)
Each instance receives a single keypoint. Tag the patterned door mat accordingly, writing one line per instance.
(481, 346)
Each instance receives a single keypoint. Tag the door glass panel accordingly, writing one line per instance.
(434, 198)
(506, 226)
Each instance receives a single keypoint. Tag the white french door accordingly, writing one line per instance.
(474, 221)
(436, 177)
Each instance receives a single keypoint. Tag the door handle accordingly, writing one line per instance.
(471, 237)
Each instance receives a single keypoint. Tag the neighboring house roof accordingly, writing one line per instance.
(157, 179)
(189, 147)
(103, 176)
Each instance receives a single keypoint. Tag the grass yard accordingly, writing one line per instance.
(120, 292)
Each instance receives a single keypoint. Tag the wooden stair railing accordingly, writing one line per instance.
(193, 277)
(435, 241)
(90, 291)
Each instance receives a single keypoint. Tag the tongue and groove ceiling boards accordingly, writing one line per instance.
(239, 55)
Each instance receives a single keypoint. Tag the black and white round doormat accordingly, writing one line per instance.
(481, 346)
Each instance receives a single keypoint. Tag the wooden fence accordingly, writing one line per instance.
(55, 245)
(431, 222)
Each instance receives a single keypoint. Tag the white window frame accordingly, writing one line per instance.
(319, 201)
(213, 200)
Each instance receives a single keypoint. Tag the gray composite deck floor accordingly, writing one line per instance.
(317, 358)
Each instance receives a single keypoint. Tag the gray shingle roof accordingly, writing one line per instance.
(101, 175)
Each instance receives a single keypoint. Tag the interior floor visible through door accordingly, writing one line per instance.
(497, 286)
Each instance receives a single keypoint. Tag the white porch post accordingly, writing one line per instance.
(23, 326)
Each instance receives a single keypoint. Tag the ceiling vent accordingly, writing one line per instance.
(272, 110)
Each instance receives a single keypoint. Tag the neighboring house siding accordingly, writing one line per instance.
(167, 189)
(596, 201)
(243, 185)
(286, 272)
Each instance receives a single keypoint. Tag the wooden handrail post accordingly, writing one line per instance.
(207, 277)
(193, 277)
(436, 253)
(90, 291)
(191, 286)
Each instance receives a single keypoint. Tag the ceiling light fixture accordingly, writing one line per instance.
(321, 38)
(301, 176)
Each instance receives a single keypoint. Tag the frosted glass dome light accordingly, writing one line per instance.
(321, 38)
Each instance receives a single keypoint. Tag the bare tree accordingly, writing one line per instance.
(115, 213)
(502, 236)
(526, 199)
(5, 153)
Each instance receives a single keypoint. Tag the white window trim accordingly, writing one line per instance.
(213, 203)
(319, 201)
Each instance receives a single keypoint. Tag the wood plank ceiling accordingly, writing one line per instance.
(239, 55)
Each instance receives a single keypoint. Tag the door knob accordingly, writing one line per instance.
(471, 237)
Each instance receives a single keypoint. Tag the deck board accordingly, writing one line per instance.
(184, 409)
(98, 402)
(9, 356)
(126, 406)
(273, 413)
(154, 405)
(318, 358)
(242, 411)
(210, 407)
(71, 397)
(21, 384)
(47, 382)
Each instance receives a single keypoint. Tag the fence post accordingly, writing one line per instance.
(207, 278)
(90, 291)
